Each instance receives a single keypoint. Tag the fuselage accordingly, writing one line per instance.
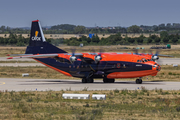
(112, 65)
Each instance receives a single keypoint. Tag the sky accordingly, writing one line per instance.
(89, 13)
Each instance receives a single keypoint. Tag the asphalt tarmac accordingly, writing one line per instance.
(17, 84)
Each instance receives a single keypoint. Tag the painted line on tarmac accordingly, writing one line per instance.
(2, 83)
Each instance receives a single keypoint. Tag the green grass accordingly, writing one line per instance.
(121, 104)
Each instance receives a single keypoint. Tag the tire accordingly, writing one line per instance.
(111, 80)
(105, 80)
(84, 80)
(90, 80)
(138, 81)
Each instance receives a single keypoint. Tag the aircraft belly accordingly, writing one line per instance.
(131, 74)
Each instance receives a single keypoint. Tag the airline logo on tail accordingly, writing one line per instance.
(36, 38)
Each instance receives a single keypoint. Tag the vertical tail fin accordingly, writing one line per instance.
(37, 36)
(37, 42)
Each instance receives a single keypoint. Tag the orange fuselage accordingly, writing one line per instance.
(112, 65)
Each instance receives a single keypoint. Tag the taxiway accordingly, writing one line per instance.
(18, 84)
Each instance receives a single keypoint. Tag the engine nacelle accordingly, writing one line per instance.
(72, 59)
(154, 57)
(97, 58)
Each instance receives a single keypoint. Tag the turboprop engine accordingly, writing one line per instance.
(154, 57)
(72, 59)
(97, 58)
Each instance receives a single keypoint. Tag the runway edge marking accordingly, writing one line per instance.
(2, 83)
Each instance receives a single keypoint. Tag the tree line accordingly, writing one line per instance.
(16, 40)
(118, 40)
(80, 29)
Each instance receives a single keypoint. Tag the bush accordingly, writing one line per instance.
(178, 109)
(124, 92)
(116, 91)
(170, 73)
(144, 89)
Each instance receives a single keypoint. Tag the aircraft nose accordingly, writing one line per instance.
(156, 67)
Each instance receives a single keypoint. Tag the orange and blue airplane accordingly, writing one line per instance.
(88, 66)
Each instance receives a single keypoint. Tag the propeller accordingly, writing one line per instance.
(73, 57)
(98, 57)
(155, 56)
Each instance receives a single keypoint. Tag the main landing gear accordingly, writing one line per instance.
(139, 81)
(87, 80)
(91, 80)
(106, 80)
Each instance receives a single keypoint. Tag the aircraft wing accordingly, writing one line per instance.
(42, 55)
(35, 56)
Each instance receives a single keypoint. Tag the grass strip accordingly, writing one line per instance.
(119, 104)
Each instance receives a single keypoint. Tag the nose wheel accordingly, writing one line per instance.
(139, 81)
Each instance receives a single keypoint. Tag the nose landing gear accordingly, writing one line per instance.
(139, 81)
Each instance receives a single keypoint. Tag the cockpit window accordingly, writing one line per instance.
(143, 60)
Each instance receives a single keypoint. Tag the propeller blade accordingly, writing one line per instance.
(157, 52)
(93, 51)
(73, 50)
(150, 52)
(135, 51)
(101, 51)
